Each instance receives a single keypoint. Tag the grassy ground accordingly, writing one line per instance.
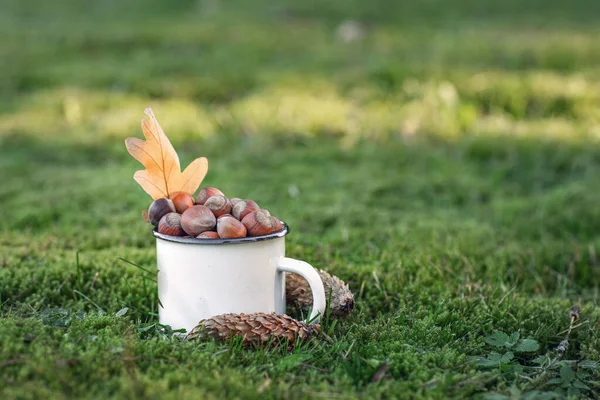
(443, 160)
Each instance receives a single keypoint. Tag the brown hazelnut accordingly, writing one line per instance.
(170, 224)
(243, 208)
(208, 235)
(158, 209)
(206, 193)
(197, 219)
(218, 204)
(182, 201)
(278, 225)
(229, 228)
(259, 223)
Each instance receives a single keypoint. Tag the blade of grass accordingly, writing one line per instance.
(135, 265)
(88, 299)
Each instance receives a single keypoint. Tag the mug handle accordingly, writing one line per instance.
(307, 271)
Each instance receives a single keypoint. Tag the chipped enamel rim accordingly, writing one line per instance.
(252, 239)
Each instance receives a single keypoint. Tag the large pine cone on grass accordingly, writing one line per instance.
(258, 329)
(297, 291)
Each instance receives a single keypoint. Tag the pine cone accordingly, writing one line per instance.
(257, 329)
(298, 291)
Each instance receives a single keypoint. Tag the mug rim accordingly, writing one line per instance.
(250, 239)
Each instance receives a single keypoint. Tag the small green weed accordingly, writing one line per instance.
(547, 376)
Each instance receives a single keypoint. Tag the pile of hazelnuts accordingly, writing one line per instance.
(211, 216)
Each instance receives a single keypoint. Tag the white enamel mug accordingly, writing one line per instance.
(201, 278)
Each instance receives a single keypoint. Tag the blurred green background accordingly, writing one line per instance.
(349, 69)
(440, 156)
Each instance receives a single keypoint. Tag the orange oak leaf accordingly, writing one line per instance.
(162, 176)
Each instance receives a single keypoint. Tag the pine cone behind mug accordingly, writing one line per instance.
(298, 291)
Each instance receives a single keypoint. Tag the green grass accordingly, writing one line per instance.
(446, 164)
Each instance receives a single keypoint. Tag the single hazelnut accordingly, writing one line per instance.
(229, 228)
(278, 225)
(208, 235)
(170, 224)
(182, 201)
(206, 193)
(243, 208)
(158, 209)
(259, 223)
(218, 204)
(234, 201)
(197, 219)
